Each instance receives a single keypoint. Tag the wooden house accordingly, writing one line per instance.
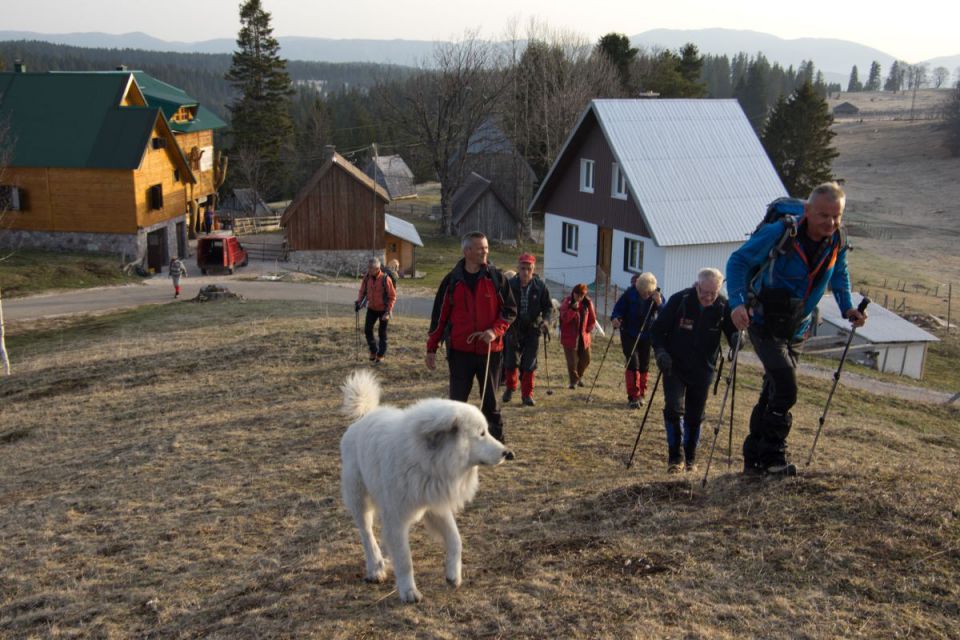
(393, 174)
(93, 167)
(846, 110)
(401, 241)
(336, 221)
(667, 186)
(477, 206)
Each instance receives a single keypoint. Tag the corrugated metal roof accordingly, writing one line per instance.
(882, 324)
(695, 168)
(402, 229)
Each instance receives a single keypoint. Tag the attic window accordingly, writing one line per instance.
(159, 143)
(184, 114)
(12, 198)
(587, 175)
(618, 189)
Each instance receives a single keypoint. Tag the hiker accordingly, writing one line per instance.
(534, 309)
(378, 293)
(686, 339)
(633, 315)
(774, 302)
(472, 310)
(177, 271)
(577, 320)
(393, 267)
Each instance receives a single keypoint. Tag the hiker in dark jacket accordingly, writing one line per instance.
(775, 302)
(634, 314)
(473, 309)
(686, 339)
(379, 295)
(534, 309)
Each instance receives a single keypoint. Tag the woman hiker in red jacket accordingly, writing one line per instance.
(577, 320)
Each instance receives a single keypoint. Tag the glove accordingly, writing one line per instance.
(356, 307)
(545, 329)
(664, 362)
(734, 341)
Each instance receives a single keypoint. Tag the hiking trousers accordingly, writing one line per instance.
(770, 420)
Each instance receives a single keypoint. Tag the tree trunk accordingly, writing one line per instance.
(4, 358)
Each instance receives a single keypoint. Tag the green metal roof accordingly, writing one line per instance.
(73, 120)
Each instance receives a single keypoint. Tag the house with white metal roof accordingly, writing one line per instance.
(667, 186)
(401, 239)
(886, 342)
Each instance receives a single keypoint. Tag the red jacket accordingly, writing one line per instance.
(572, 324)
(379, 292)
(459, 312)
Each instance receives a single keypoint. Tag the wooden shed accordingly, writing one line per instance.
(337, 219)
(846, 109)
(478, 207)
(401, 240)
(393, 174)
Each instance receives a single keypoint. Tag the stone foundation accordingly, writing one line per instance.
(340, 263)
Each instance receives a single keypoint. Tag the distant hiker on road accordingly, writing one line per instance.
(774, 296)
(177, 271)
(379, 295)
(634, 314)
(534, 309)
(686, 339)
(473, 309)
(577, 320)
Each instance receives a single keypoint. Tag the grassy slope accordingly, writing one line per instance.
(26, 272)
(173, 472)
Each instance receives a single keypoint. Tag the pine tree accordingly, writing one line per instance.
(873, 80)
(616, 46)
(854, 85)
(260, 124)
(797, 140)
(898, 72)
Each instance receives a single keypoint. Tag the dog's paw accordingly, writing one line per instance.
(376, 576)
(454, 581)
(410, 595)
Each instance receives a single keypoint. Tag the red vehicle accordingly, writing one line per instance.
(220, 252)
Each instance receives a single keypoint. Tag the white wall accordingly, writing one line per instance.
(653, 259)
(683, 263)
(564, 268)
(909, 358)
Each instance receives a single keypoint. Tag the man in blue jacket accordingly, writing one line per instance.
(775, 301)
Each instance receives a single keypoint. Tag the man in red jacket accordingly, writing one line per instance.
(473, 308)
(379, 295)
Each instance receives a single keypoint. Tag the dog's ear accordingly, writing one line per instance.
(436, 439)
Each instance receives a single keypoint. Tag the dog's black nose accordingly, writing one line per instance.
(507, 454)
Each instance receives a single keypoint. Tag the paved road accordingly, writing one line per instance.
(158, 290)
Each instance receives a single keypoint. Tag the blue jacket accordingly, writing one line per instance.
(790, 272)
(632, 309)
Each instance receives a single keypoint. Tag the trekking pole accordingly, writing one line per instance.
(733, 398)
(643, 325)
(723, 405)
(486, 376)
(356, 351)
(644, 421)
(602, 360)
(546, 364)
(716, 383)
(836, 378)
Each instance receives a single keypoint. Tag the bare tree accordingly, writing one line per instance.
(940, 76)
(6, 144)
(443, 104)
(916, 77)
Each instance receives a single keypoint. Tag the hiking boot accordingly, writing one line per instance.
(507, 394)
(674, 468)
(528, 401)
(378, 360)
(751, 471)
(579, 383)
(634, 404)
(571, 386)
(373, 356)
(691, 467)
(641, 401)
(786, 470)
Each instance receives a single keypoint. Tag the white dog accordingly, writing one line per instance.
(408, 464)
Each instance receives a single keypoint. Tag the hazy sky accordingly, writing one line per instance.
(913, 32)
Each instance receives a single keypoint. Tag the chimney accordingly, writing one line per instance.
(19, 67)
(328, 151)
(122, 67)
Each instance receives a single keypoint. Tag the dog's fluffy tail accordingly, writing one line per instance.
(361, 394)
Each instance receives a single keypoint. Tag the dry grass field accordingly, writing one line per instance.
(172, 472)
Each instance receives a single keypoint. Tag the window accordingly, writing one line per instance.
(159, 143)
(571, 238)
(12, 198)
(632, 255)
(155, 196)
(587, 170)
(619, 187)
(176, 175)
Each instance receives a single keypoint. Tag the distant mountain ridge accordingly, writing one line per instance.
(834, 57)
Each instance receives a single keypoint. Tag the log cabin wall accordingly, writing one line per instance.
(157, 167)
(202, 170)
(339, 213)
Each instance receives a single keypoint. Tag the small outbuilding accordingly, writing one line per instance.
(243, 203)
(401, 239)
(393, 174)
(336, 222)
(846, 109)
(887, 342)
(477, 206)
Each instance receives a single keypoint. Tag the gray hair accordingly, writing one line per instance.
(470, 237)
(373, 262)
(832, 190)
(709, 274)
(646, 282)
